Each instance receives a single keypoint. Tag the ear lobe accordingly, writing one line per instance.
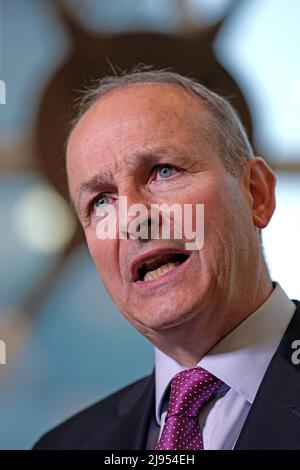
(262, 182)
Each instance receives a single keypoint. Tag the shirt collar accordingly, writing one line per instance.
(249, 347)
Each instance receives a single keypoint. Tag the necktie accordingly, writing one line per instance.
(190, 392)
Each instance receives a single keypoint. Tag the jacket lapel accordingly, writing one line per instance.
(273, 421)
(134, 426)
(129, 423)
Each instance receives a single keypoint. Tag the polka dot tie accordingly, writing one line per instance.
(190, 392)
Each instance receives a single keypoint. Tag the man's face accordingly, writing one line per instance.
(148, 142)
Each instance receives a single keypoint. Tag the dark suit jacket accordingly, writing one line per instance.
(121, 421)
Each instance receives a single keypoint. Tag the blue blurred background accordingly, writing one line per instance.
(66, 344)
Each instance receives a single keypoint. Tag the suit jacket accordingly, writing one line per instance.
(121, 421)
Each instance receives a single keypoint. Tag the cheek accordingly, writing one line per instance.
(104, 255)
(227, 223)
(215, 210)
(223, 212)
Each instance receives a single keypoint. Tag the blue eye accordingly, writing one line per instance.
(100, 201)
(165, 171)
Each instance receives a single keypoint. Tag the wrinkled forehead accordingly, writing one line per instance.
(136, 105)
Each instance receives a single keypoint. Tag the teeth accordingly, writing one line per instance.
(150, 275)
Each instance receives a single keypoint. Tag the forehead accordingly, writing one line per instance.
(131, 119)
(157, 98)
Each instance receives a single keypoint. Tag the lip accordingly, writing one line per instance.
(153, 254)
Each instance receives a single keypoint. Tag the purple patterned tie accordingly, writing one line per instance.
(190, 391)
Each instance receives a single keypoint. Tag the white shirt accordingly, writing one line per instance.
(240, 360)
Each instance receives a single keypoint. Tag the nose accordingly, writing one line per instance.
(136, 219)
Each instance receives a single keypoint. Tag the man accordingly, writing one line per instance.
(223, 332)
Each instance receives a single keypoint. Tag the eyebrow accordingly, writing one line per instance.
(133, 161)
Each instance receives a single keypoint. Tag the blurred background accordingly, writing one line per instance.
(64, 343)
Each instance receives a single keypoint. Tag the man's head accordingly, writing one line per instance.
(157, 137)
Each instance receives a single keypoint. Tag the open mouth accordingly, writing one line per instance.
(155, 268)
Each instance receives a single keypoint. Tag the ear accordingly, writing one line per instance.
(259, 182)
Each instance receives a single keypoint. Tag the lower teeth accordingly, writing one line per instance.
(149, 276)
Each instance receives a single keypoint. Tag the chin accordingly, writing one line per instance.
(162, 317)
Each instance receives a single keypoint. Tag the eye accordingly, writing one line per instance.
(99, 202)
(165, 171)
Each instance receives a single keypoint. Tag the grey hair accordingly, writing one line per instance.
(227, 130)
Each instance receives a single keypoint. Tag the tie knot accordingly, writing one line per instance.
(190, 391)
